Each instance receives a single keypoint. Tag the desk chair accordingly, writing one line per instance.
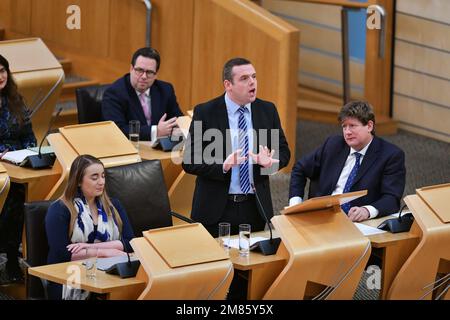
(89, 103)
(180, 195)
(141, 189)
(37, 246)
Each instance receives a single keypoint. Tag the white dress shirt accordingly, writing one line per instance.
(348, 166)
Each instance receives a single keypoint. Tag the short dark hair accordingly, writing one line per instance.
(228, 67)
(361, 110)
(148, 53)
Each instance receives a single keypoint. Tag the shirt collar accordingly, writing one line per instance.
(232, 106)
(363, 150)
(147, 93)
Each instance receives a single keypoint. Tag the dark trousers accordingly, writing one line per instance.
(237, 213)
(11, 224)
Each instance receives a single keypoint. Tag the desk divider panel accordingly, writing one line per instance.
(326, 251)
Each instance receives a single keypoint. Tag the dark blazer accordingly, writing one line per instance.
(382, 173)
(121, 104)
(211, 187)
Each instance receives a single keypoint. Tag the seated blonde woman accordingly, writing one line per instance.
(85, 222)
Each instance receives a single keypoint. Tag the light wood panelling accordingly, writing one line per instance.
(20, 16)
(422, 87)
(333, 88)
(5, 16)
(91, 39)
(330, 67)
(429, 33)
(127, 28)
(322, 39)
(172, 35)
(434, 121)
(269, 42)
(318, 13)
(435, 9)
(422, 59)
(425, 108)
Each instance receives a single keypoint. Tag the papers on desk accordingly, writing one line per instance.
(17, 157)
(234, 243)
(368, 230)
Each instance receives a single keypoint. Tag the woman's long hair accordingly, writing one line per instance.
(15, 100)
(76, 175)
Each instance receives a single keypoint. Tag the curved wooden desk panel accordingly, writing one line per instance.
(326, 251)
(206, 281)
(416, 277)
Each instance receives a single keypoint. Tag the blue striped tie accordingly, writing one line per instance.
(244, 178)
(350, 179)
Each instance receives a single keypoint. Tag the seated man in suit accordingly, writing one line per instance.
(138, 95)
(358, 160)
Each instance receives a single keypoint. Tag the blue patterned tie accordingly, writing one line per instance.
(350, 179)
(244, 178)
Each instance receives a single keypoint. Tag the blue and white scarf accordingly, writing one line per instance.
(83, 230)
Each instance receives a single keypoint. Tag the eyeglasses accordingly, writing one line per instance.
(148, 73)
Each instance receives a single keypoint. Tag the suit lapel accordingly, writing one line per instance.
(369, 158)
(340, 162)
(222, 115)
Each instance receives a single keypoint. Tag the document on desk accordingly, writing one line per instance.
(368, 230)
(234, 243)
(106, 263)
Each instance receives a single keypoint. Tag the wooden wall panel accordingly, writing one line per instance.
(422, 66)
(20, 16)
(422, 118)
(127, 28)
(422, 59)
(5, 16)
(172, 35)
(223, 29)
(437, 9)
(93, 36)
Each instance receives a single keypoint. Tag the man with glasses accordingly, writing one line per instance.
(357, 160)
(138, 95)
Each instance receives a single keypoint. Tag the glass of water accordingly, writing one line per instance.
(133, 132)
(244, 239)
(224, 235)
(91, 262)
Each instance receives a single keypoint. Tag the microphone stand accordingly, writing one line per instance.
(44, 160)
(270, 246)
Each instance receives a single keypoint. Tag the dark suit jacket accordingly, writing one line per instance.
(211, 188)
(121, 104)
(382, 173)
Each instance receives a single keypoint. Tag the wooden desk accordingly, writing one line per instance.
(263, 270)
(395, 250)
(38, 182)
(113, 286)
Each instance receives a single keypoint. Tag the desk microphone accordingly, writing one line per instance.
(400, 224)
(44, 160)
(126, 269)
(270, 246)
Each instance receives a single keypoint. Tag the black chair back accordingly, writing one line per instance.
(89, 103)
(36, 244)
(141, 189)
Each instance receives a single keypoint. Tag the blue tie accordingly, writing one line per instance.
(244, 178)
(350, 179)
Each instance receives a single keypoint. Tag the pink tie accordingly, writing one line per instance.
(145, 107)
